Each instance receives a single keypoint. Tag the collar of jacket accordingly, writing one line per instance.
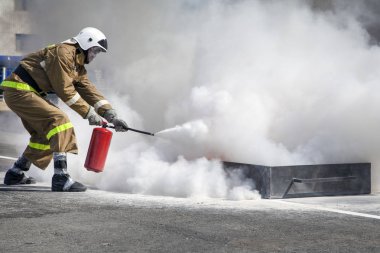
(80, 57)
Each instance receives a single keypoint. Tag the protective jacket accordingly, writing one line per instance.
(59, 69)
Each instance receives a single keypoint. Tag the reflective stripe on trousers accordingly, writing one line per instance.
(52, 132)
(59, 129)
(39, 146)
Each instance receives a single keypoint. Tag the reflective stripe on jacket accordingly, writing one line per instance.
(18, 86)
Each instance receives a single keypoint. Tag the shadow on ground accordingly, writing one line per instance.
(24, 188)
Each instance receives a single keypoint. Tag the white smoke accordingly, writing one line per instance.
(262, 82)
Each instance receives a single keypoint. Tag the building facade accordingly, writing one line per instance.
(14, 27)
(15, 36)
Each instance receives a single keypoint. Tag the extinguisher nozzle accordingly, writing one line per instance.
(141, 132)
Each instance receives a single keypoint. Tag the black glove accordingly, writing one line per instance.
(111, 116)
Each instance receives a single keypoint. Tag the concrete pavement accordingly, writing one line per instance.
(34, 219)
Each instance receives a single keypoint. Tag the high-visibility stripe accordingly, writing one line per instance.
(73, 100)
(59, 129)
(91, 112)
(39, 146)
(18, 86)
(43, 65)
(99, 104)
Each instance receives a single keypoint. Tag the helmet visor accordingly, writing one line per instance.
(92, 52)
(103, 43)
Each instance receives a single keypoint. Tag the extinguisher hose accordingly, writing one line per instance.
(131, 129)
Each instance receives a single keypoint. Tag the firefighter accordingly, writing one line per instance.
(56, 69)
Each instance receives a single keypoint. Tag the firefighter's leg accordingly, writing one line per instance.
(62, 140)
(38, 149)
(16, 175)
(35, 114)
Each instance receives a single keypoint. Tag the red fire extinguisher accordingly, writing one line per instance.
(98, 149)
(99, 145)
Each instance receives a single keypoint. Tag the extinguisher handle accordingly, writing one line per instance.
(105, 125)
(130, 129)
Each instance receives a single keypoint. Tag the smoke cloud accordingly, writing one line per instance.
(262, 82)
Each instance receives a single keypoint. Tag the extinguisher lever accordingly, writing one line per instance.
(130, 129)
(105, 125)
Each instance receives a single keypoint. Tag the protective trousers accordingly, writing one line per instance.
(49, 127)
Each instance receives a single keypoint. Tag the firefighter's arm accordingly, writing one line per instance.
(90, 94)
(60, 69)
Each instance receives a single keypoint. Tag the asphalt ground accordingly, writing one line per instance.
(34, 219)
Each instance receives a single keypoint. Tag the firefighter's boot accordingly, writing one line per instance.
(64, 183)
(61, 181)
(16, 175)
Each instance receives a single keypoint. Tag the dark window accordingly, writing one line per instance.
(26, 42)
(21, 5)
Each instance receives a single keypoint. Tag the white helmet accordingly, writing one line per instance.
(91, 37)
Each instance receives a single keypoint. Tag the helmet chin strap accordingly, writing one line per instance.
(86, 61)
(80, 51)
